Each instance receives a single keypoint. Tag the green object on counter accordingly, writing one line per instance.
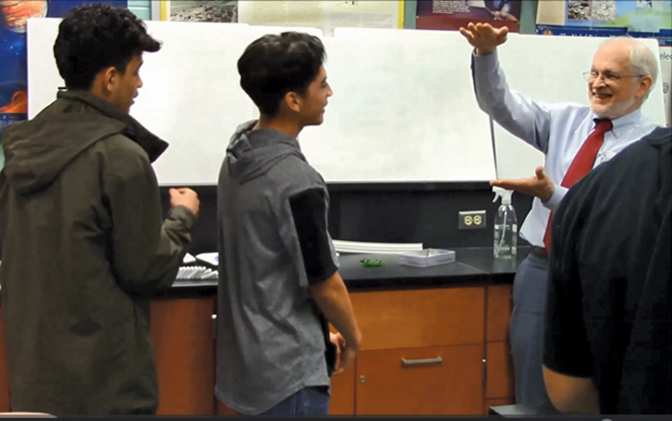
(371, 263)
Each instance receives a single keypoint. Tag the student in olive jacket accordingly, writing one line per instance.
(84, 245)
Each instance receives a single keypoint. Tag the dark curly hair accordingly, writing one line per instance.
(276, 64)
(96, 36)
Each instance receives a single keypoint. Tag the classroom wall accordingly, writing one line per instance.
(401, 215)
(427, 214)
(528, 11)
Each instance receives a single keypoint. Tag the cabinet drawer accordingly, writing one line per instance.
(420, 381)
(499, 307)
(420, 317)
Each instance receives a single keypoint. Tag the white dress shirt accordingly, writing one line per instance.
(557, 130)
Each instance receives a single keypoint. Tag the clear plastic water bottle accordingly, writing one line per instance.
(506, 226)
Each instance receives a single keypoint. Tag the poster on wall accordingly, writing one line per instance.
(649, 16)
(324, 14)
(199, 10)
(13, 72)
(453, 14)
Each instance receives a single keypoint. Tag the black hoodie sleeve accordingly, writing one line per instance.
(146, 251)
(309, 211)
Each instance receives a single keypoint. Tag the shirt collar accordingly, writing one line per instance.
(622, 124)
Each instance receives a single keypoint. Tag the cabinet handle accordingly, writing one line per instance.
(362, 379)
(484, 371)
(436, 360)
(214, 326)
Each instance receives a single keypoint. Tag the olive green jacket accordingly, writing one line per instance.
(84, 248)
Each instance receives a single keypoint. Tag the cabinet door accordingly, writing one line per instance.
(342, 400)
(421, 381)
(418, 318)
(499, 371)
(499, 307)
(184, 351)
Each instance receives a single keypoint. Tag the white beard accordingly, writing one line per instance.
(617, 108)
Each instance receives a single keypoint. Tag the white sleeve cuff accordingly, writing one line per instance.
(558, 193)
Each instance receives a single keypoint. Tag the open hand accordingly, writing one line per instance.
(540, 185)
(483, 37)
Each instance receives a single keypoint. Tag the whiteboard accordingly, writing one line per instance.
(191, 95)
(389, 121)
(549, 69)
(401, 111)
(403, 108)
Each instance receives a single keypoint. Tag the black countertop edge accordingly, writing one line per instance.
(473, 267)
(195, 289)
(481, 270)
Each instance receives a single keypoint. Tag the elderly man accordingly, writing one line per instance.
(575, 138)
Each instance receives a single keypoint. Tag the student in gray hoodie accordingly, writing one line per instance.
(279, 283)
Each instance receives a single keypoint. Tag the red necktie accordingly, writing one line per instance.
(582, 163)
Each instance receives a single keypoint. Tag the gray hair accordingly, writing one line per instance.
(643, 61)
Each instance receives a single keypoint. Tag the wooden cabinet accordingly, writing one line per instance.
(499, 306)
(398, 372)
(413, 318)
(420, 381)
(182, 333)
(342, 400)
(499, 371)
(422, 351)
(499, 388)
(182, 339)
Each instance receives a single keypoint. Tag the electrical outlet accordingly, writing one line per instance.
(470, 220)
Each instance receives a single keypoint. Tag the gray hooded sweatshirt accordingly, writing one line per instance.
(270, 335)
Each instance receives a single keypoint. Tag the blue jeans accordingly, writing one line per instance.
(526, 329)
(307, 401)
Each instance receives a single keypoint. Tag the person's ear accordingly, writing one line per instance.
(293, 101)
(111, 79)
(644, 85)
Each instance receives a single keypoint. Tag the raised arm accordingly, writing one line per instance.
(522, 117)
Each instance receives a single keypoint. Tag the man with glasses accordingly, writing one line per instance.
(574, 138)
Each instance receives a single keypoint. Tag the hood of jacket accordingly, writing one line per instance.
(38, 150)
(252, 153)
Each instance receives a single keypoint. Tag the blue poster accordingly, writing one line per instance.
(13, 70)
(636, 15)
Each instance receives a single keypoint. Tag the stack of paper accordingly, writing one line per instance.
(211, 258)
(196, 272)
(375, 248)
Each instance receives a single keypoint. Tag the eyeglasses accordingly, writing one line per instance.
(608, 77)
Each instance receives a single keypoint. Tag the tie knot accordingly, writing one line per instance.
(602, 125)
